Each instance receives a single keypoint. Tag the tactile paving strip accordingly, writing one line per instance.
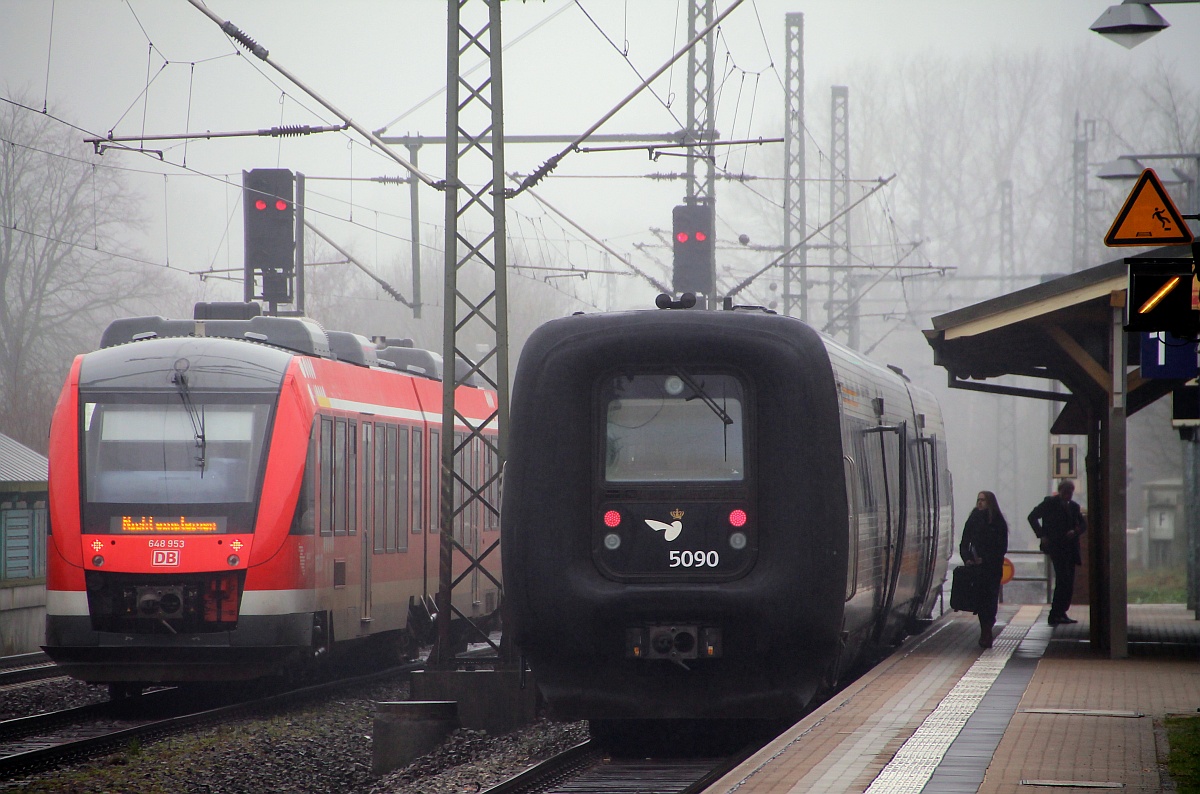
(917, 760)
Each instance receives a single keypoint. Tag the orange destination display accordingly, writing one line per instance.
(168, 525)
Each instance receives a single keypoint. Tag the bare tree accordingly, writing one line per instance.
(64, 269)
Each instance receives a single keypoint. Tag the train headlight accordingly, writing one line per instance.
(738, 540)
(98, 561)
(612, 519)
(233, 560)
(673, 385)
(737, 518)
(612, 541)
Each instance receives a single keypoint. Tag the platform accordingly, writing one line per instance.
(1039, 711)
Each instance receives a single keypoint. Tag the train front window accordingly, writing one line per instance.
(675, 426)
(172, 452)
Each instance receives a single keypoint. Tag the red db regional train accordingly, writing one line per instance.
(714, 514)
(237, 497)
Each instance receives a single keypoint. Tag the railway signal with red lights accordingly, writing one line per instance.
(693, 247)
(270, 229)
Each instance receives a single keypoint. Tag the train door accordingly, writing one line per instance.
(914, 571)
(466, 522)
(926, 449)
(433, 537)
(893, 440)
(366, 517)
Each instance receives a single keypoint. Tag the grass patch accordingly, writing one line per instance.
(1158, 585)
(1183, 735)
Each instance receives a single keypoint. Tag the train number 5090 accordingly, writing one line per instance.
(695, 559)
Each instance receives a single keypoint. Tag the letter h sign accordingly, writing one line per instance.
(1064, 461)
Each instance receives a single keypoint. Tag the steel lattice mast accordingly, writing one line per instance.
(701, 159)
(843, 290)
(795, 276)
(475, 327)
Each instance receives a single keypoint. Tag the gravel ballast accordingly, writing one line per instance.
(323, 747)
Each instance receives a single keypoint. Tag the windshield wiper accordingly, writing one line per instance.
(703, 395)
(195, 415)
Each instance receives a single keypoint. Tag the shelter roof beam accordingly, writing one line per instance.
(1098, 374)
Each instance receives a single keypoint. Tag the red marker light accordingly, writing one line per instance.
(260, 204)
(701, 237)
(612, 519)
(682, 237)
(738, 518)
(280, 205)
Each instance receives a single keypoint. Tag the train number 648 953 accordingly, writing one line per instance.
(695, 559)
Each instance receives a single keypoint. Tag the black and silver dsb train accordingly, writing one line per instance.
(714, 514)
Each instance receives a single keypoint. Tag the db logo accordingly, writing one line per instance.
(165, 557)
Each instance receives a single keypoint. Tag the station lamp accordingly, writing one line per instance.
(1132, 22)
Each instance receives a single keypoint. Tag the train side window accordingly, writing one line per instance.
(324, 491)
(339, 477)
(302, 519)
(402, 514)
(435, 481)
(392, 520)
(352, 478)
(380, 488)
(418, 481)
(866, 465)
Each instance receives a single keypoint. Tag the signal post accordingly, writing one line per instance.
(1160, 300)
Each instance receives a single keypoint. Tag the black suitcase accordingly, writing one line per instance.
(965, 588)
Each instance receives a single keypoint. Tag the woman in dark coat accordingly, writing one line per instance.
(984, 543)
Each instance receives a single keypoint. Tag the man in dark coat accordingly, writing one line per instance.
(1059, 522)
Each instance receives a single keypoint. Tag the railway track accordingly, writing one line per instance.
(26, 667)
(39, 742)
(588, 768)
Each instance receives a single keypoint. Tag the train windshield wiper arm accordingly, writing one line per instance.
(195, 415)
(703, 395)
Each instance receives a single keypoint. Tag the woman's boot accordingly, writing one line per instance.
(985, 635)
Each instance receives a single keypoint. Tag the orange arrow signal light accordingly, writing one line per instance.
(1157, 297)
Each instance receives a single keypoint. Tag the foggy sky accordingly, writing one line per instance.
(378, 60)
(161, 66)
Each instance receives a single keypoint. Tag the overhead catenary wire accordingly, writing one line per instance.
(262, 54)
(619, 256)
(553, 162)
(746, 282)
(354, 261)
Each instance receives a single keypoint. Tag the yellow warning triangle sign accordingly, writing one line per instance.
(1148, 217)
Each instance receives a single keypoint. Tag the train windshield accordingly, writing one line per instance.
(173, 451)
(675, 426)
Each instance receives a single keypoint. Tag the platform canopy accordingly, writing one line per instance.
(1068, 330)
(1058, 330)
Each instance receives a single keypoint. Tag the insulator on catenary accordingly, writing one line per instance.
(237, 35)
(294, 129)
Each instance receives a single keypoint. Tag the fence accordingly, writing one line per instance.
(1026, 561)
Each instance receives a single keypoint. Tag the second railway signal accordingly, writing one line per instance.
(693, 246)
(270, 230)
(1160, 297)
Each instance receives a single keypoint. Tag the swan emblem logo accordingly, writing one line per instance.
(670, 531)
